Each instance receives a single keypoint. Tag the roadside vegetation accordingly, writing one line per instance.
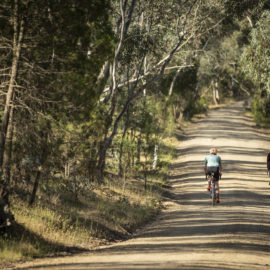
(92, 94)
(77, 215)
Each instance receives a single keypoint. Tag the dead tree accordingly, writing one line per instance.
(18, 32)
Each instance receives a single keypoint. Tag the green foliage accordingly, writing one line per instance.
(255, 65)
(239, 9)
(201, 105)
(255, 58)
(261, 110)
(65, 45)
(170, 124)
(186, 82)
(220, 64)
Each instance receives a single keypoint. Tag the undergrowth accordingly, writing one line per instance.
(61, 221)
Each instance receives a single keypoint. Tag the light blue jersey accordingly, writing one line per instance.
(212, 161)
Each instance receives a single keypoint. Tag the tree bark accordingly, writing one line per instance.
(43, 158)
(174, 80)
(17, 44)
(18, 27)
(120, 168)
(7, 157)
(215, 93)
(35, 188)
(124, 23)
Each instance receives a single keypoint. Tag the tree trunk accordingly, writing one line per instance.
(174, 80)
(215, 93)
(35, 188)
(139, 143)
(122, 28)
(101, 161)
(5, 215)
(42, 160)
(120, 167)
(17, 43)
(132, 138)
(7, 157)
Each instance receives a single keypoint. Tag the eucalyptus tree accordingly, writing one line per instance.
(150, 34)
(255, 64)
(52, 53)
(133, 38)
(11, 44)
(219, 51)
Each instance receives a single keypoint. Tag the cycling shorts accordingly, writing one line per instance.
(215, 170)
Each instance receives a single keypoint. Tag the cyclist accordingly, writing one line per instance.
(268, 162)
(212, 163)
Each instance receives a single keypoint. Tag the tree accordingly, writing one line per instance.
(156, 33)
(255, 64)
(53, 55)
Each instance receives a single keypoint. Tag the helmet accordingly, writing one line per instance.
(213, 151)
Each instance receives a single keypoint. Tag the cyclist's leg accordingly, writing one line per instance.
(209, 182)
(217, 181)
(209, 171)
(208, 179)
(217, 186)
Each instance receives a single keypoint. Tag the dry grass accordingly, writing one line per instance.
(59, 222)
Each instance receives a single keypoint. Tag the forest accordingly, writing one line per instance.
(92, 94)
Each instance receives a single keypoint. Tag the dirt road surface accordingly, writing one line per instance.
(190, 233)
